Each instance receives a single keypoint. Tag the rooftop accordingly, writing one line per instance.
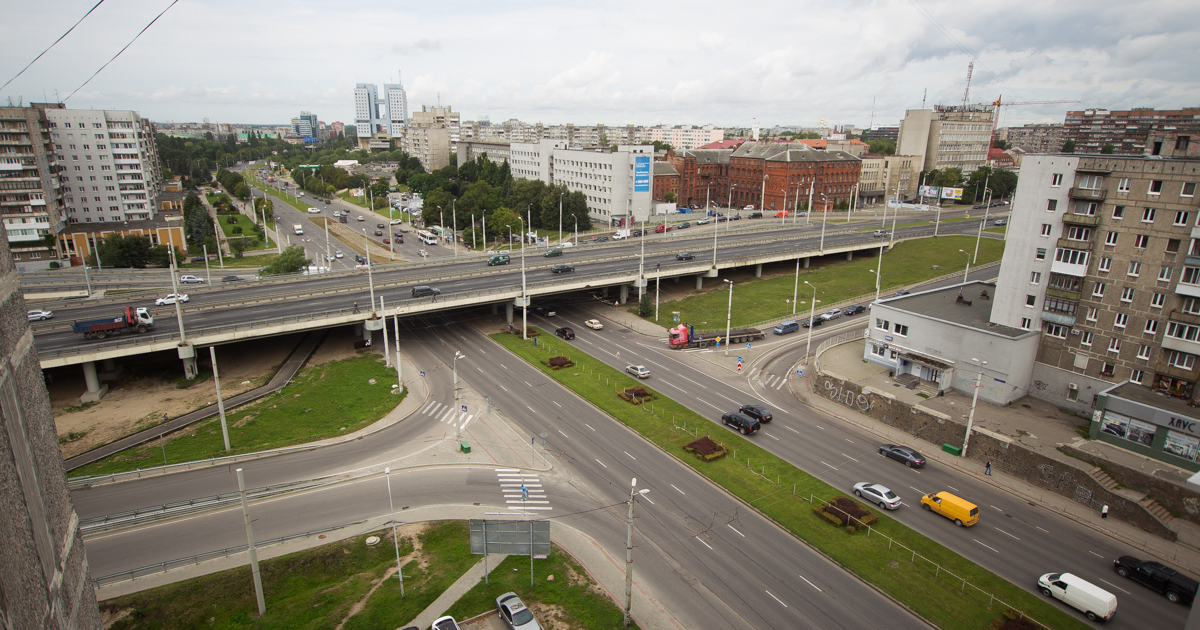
(164, 220)
(1151, 398)
(973, 311)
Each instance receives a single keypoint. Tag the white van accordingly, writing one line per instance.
(1092, 600)
(621, 235)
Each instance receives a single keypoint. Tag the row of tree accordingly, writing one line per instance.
(1002, 183)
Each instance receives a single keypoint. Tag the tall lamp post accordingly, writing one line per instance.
(968, 269)
(987, 203)
(728, 315)
(560, 218)
(974, 400)
(796, 289)
(454, 365)
(633, 494)
(812, 311)
(387, 473)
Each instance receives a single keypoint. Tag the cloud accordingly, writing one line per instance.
(422, 45)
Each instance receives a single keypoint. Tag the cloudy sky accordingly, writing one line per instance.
(724, 63)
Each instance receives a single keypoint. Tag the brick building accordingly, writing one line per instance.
(666, 180)
(776, 176)
(1130, 131)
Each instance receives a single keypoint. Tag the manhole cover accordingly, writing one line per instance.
(893, 564)
(372, 541)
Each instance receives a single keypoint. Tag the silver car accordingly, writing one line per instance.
(514, 613)
(37, 315)
(878, 494)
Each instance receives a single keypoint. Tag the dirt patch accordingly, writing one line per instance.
(412, 532)
(109, 617)
(339, 345)
(575, 579)
(147, 389)
(550, 616)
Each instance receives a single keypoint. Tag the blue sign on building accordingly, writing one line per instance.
(641, 173)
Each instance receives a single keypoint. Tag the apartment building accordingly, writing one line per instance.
(1043, 138)
(109, 164)
(497, 152)
(685, 136)
(666, 180)
(439, 117)
(31, 206)
(618, 184)
(1130, 132)
(1103, 256)
(307, 126)
(885, 177)
(703, 175)
(947, 136)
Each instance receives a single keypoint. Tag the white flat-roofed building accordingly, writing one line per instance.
(619, 185)
(685, 136)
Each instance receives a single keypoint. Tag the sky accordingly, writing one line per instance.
(728, 64)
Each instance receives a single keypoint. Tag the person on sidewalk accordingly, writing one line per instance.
(987, 468)
(356, 307)
(1104, 511)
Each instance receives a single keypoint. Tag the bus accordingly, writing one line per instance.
(429, 238)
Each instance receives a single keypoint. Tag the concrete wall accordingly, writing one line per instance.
(44, 580)
(1013, 459)
(1053, 385)
(1182, 502)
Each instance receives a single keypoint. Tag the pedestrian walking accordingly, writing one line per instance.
(987, 468)
(1104, 511)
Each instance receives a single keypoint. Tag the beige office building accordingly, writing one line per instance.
(947, 136)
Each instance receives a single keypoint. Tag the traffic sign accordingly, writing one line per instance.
(464, 407)
(739, 359)
(422, 373)
(799, 372)
(747, 345)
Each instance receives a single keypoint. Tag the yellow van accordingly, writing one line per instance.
(962, 512)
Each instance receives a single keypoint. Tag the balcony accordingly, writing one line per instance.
(1081, 219)
(1065, 294)
(1070, 243)
(1181, 345)
(1190, 290)
(1187, 318)
(1176, 372)
(1090, 194)
(1091, 166)
(1058, 318)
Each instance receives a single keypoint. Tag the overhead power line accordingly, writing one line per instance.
(114, 57)
(60, 38)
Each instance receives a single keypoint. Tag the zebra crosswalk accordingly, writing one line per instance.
(512, 480)
(447, 414)
(772, 381)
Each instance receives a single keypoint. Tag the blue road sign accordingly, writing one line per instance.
(747, 345)
(739, 359)
(524, 492)
(464, 408)
(422, 373)
(799, 372)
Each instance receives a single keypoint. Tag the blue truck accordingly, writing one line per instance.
(132, 320)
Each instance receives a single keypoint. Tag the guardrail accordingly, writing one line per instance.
(162, 567)
(847, 337)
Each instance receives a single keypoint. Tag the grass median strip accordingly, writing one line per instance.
(322, 401)
(915, 575)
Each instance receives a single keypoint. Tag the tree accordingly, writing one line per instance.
(160, 255)
(237, 246)
(1107, 149)
(646, 305)
(291, 260)
(499, 222)
(125, 251)
(1068, 147)
(669, 197)
(951, 177)
(437, 202)
(1003, 145)
(882, 146)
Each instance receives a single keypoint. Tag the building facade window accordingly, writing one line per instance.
(1120, 320)
(1030, 300)
(1035, 277)
(1148, 215)
(1141, 241)
(1056, 330)
(1026, 323)
(1164, 274)
(1056, 179)
(1041, 254)
(1093, 313)
(1158, 300)
(1151, 327)
(1110, 238)
(1127, 294)
(1086, 339)
(1098, 290)
(1046, 227)
(1105, 264)
(1118, 212)
(1114, 346)
(1135, 269)
(1124, 185)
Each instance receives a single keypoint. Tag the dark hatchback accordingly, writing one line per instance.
(809, 323)
(758, 412)
(565, 333)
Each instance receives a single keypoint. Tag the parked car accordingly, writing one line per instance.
(1158, 577)
(903, 454)
(314, 211)
(751, 207)
(38, 315)
(594, 324)
(1091, 600)
(171, 298)
(787, 327)
(736, 217)
(811, 323)
(758, 412)
(444, 623)
(685, 256)
(741, 422)
(854, 309)
(191, 280)
(565, 333)
(639, 371)
(397, 221)
(562, 269)
(878, 494)
(232, 279)
(514, 614)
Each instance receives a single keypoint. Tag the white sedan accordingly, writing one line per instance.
(878, 494)
(594, 324)
(38, 314)
(171, 299)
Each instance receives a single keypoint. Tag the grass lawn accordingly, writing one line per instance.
(245, 262)
(571, 593)
(358, 201)
(243, 222)
(216, 198)
(936, 598)
(312, 589)
(908, 263)
(321, 401)
(997, 230)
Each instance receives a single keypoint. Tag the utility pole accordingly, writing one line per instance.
(974, 400)
(212, 354)
(254, 572)
(633, 494)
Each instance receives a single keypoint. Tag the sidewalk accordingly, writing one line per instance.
(456, 590)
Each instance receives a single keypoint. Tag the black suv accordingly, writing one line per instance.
(565, 333)
(741, 422)
(853, 310)
(755, 215)
(684, 256)
(758, 412)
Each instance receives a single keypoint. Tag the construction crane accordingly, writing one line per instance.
(967, 92)
(996, 115)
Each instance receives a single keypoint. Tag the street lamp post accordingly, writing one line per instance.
(560, 195)
(974, 400)
(728, 315)
(454, 365)
(987, 198)
(387, 473)
(824, 214)
(796, 289)
(812, 311)
(576, 230)
(633, 494)
(968, 269)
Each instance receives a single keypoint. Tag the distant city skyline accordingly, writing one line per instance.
(780, 63)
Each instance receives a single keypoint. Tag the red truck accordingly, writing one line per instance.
(684, 336)
(132, 320)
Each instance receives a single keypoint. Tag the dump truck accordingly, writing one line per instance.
(684, 336)
(132, 320)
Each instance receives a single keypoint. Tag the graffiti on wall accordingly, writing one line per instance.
(850, 398)
(1066, 483)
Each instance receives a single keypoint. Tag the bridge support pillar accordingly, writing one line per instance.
(699, 282)
(110, 371)
(640, 283)
(849, 256)
(604, 292)
(187, 354)
(495, 309)
(806, 261)
(508, 311)
(624, 294)
(95, 391)
(758, 270)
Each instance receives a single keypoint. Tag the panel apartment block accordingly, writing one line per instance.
(1128, 131)
(31, 207)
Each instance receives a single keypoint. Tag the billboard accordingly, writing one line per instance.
(641, 173)
(929, 191)
(952, 193)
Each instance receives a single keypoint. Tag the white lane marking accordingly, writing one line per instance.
(833, 467)
(446, 415)
(680, 491)
(504, 366)
(1005, 533)
(527, 383)
(481, 351)
(704, 543)
(1095, 554)
(849, 440)
(848, 457)
(792, 430)
(735, 530)
(511, 501)
(1115, 586)
(921, 491)
(479, 368)
(810, 583)
(429, 406)
(675, 386)
(531, 507)
(563, 434)
(995, 508)
(1045, 530)
(776, 599)
(771, 436)
(819, 427)
(601, 463)
(504, 388)
(954, 489)
(508, 470)
(588, 426)
(781, 384)
(530, 408)
(464, 424)
(630, 456)
(556, 404)
(977, 540)
(646, 498)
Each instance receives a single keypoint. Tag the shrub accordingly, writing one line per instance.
(706, 448)
(846, 512)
